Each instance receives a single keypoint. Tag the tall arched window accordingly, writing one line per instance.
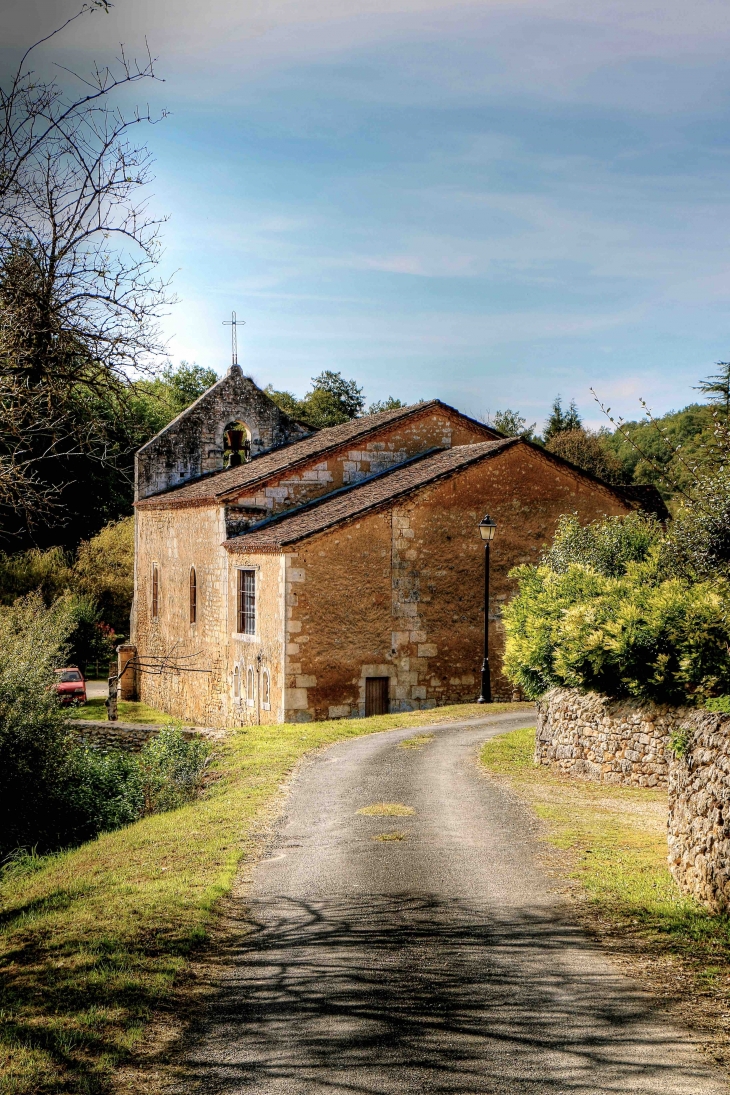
(265, 690)
(193, 596)
(236, 683)
(155, 591)
(250, 687)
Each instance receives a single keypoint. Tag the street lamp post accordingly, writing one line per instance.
(487, 529)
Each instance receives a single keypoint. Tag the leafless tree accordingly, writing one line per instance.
(80, 292)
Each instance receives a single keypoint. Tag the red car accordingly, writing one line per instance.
(70, 685)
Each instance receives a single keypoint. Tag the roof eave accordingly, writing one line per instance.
(373, 507)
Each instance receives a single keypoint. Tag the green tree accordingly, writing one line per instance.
(717, 389)
(512, 424)
(389, 404)
(330, 401)
(587, 450)
(560, 420)
(104, 571)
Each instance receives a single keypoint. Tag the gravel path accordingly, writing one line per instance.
(437, 963)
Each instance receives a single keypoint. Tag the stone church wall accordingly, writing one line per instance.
(177, 541)
(399, 593)
(207, 651)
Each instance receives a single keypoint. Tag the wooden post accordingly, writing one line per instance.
(111, 702)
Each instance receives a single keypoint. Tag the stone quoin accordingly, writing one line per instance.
(337, 572)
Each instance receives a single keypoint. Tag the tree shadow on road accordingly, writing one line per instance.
(416, 993)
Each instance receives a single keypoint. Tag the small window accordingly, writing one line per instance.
(193, 596)
(155, 591)
(250, 687)
(246, 602)
(266, 690)
(236, 683)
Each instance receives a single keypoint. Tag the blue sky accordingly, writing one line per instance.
(488, 202)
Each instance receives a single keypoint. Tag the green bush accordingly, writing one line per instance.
(172, 769)
(718, 703)
(100, 791)
(600, 614)
(33, 729)
(54, 793)
(606, 546)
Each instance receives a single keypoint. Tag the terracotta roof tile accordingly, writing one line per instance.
(216, 487)
(276, 532)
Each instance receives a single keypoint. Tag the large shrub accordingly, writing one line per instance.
(603, 613)
(606, 546)
(53, 792)
(104, 572)
(33, 729)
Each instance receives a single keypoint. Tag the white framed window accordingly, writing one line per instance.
(250, 687)
(265, 690)
(246, 602)
(237, 683)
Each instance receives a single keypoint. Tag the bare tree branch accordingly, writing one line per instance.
(80, 293)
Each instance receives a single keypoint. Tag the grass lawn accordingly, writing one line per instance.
(611, 843)
(92, 941)
(127, 712)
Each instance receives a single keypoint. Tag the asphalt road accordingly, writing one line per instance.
(439, 963)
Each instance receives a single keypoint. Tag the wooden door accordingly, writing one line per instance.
(376, 695)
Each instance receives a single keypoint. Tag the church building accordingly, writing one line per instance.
(286, 574)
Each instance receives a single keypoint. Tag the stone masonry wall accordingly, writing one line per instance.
(192, 444)
(175, 542)
(130, 736)
(699, 810)
(626, 742)
(610, 741)
(211, 655)
(399, 593)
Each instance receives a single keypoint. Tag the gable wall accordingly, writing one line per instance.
(399, 593)
(388, 447)
(178, 540)
(192, 444)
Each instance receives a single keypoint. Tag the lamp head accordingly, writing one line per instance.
(487, 528)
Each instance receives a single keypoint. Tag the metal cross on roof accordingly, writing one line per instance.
(233, 323)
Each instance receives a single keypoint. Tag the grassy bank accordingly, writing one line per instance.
(610, 843)
(93, 940)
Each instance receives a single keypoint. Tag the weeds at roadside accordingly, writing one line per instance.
(387, 809)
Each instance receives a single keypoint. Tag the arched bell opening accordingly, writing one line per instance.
(236, 444)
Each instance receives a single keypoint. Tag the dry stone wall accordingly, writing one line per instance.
(624, 742)
(130, 736)
(611, 741)
(699, 810)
